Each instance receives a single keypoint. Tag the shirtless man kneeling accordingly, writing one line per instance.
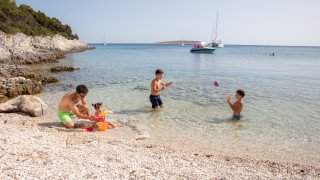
(68, 106)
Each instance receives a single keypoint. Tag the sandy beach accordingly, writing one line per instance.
(40, 148)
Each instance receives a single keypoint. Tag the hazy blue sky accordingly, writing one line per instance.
(271, 22)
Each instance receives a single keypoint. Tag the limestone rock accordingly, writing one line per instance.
(22, 49)
(17, 49)
(21, 80)
(49, 79)
(62, 69)
(13, 87)
(28, 104)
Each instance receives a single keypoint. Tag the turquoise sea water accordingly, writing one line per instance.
(281, 104)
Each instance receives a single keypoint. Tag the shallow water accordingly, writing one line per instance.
(281, 103)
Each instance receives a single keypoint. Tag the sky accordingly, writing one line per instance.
(249, 22)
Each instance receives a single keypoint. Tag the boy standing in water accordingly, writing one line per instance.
(156, 89)
(238, 105)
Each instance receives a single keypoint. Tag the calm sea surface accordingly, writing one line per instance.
(281, 104)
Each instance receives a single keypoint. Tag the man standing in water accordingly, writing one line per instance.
(156, 89)
(68, 106)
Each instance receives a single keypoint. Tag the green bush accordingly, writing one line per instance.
(11, 29)
(3, 17)
(24, 19)
(7, 4)
(27, 8)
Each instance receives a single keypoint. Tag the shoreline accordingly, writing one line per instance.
(40, 148)
(232, 144)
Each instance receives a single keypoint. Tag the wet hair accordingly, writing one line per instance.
(97, 105)
(159, 71)
(82, 89)
(241, 92)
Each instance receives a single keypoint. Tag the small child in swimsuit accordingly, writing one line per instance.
(99, 114)
(237, 106)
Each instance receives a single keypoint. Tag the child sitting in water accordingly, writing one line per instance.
(238, 105)
(99, 114)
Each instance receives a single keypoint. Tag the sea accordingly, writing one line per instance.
(281, 106)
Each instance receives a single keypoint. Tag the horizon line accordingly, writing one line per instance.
(157, 43)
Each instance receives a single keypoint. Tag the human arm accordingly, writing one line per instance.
(75, 110)
(167, 84)
(235, 106)
(105, 112)
(109, 112)
(84, 101)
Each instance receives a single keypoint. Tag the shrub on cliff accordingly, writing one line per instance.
(24, 19)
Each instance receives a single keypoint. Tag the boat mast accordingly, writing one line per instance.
(216, 29)
(213, 32)
(105, 39)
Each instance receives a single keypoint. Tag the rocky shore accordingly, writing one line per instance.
(19, 50)
(22, 49)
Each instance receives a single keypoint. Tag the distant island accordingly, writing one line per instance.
(177, 42)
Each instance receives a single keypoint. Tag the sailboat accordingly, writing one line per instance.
(182, 43)
(214, 38)
(105, 37)
(202, 47)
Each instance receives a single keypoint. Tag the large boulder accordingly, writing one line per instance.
(28, 104)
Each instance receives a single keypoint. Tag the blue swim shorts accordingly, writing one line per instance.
(155, 101)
